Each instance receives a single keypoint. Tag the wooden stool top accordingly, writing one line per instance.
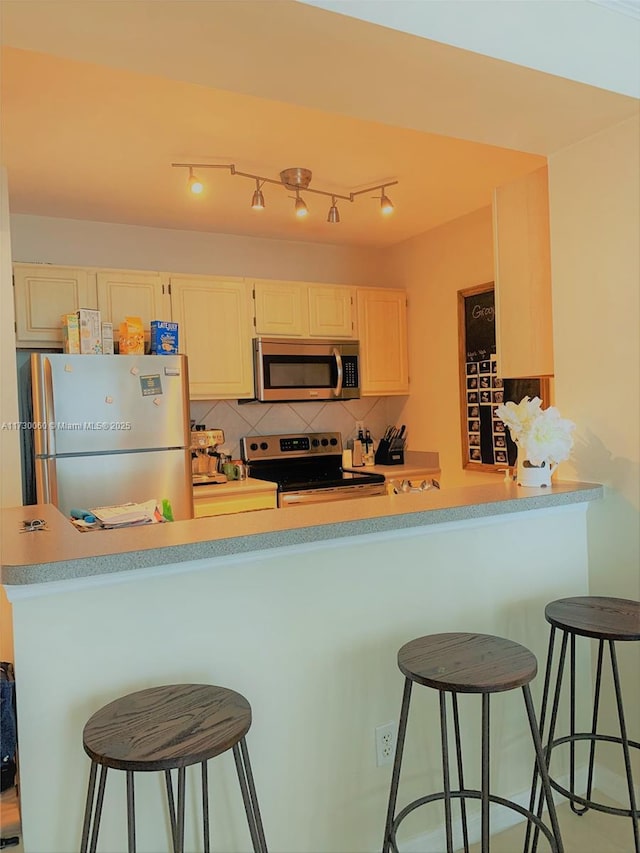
(166, 727)
(600, 617)
(467, 663)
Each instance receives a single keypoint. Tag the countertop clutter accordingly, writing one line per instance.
(59, 552)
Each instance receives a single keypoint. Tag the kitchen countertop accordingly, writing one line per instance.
(62, 552)
(233, 487)
(416, 464)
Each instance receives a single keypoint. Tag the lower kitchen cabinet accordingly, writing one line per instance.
(382, 330)
(240, 496)
(215, 333)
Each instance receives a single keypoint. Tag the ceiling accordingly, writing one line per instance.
(99, 98)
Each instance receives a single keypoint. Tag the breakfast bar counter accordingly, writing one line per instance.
(62, 552)
(302, 611)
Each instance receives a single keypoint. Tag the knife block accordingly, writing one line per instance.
(390, 452)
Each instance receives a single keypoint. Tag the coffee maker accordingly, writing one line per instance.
(204, 458)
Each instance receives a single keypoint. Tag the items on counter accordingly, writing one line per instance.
(122, 515)
(391, 446)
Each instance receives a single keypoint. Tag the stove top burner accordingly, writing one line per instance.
(301, 461)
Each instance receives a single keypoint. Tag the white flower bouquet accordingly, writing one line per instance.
(540, 434)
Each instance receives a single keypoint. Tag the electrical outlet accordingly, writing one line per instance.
(386, 735)
(359, 426)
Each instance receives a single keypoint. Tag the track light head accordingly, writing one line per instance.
(386, 205)
(300, 206)
(257, 202)
(334, 215)
(195, 184)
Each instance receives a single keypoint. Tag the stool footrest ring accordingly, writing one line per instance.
(471, 795)
(576, 798)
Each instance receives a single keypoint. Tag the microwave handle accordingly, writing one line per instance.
(338, 389)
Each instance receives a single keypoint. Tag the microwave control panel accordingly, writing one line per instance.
(350, 371)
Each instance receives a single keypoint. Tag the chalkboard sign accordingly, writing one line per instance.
(486, 443)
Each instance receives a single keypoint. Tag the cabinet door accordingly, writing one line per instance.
(132, 294)
(214, 326)
(382, 329)
(280, 308)
(331, 311)
(522, 258)
(42, 294)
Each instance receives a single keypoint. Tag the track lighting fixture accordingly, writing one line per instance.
(334, 215)
(300, 206)
(257, 202)
(195, 185)
(296, 179)
(386, 205)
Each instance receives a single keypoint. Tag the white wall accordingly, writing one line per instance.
(84, 243)
(579, 40)
(595, 254)
(433, 267)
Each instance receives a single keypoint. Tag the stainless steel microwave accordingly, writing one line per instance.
(290, 369)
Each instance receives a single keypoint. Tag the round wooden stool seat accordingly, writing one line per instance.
(167, 727)
(599, 617)
(608, 620)
(467, 663)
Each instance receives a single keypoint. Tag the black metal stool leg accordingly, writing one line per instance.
(206, 839)
(625, 745)
(179, 847)
(88, 810)
(543, 714)
(98, 810)
(542, 768)
(463, 805)
(172, 808)
(131, 813)
(249, 798)
(485, 832)
(397, 764)
(445, 770)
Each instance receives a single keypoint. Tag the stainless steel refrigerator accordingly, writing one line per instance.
(111, 429)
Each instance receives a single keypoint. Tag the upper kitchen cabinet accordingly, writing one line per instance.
(524, 325)
(123, 293)
(42, 294)
(214, 322)
(299, 309)
(382, 329)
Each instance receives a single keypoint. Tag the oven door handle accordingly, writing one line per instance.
(338, 389)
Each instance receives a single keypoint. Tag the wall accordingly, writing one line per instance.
(84, 243)
(10, 481)
(433, 267)
(595, 254)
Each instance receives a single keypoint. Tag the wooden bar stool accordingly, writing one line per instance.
(167, 728)
(467, 663)
(607, 620)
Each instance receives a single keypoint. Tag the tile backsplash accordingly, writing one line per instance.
(238, 419)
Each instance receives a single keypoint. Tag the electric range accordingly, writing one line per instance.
(307, 468)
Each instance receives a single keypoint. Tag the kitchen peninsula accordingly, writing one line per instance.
(302, 611)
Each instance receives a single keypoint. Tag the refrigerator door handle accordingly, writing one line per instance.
(46, 481)
(44, 414)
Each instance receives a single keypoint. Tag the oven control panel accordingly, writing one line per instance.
(291, 446)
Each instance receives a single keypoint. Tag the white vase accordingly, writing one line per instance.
(536, 476)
